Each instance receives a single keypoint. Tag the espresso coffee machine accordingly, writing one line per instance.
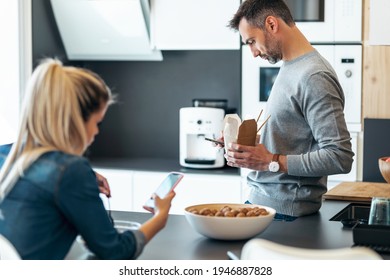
(196, 124)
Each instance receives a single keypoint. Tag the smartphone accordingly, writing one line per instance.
(166, 186)
(215, 141)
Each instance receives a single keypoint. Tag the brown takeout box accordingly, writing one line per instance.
(236, 131)
(247, 133)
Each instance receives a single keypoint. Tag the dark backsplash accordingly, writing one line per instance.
(376, 145)
(145, 120)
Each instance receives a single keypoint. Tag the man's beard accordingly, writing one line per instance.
(274, 53)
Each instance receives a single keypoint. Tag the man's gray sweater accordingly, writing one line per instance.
(307, 124)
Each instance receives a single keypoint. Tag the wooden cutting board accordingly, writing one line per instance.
(358, 191)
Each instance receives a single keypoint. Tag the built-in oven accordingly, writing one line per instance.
(328, 20)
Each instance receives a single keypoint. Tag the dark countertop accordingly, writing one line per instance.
(178, 241)
(157, 165)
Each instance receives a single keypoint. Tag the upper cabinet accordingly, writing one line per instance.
(338, 21)
(194, 24)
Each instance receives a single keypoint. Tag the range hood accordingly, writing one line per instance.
(105, 29)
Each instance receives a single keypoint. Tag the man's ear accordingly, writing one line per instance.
(271, 24)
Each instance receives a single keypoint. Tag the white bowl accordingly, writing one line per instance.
(228, 228)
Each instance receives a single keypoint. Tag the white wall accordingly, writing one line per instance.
(15, 62)
(9, 69)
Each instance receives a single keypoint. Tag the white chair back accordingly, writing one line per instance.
(261, 249)
(7, 250)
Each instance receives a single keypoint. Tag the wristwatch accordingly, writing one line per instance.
(274, 164)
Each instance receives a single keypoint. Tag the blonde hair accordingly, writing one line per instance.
(59, 101)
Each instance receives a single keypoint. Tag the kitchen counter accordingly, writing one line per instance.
(158, 165)
(178, 241)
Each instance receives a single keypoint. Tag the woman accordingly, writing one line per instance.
(49, 193)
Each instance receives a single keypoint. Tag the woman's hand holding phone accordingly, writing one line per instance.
(166, 187)
(159, 204)
(161, 213)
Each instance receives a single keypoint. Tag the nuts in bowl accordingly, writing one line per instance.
(228, 211)
(229, 221)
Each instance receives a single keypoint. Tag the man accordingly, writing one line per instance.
(306, 139)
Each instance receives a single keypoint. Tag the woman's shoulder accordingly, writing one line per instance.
(62, 159)
(54, 164)
(4, 149)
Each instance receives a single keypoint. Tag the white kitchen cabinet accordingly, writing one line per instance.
(130, 189)
(193, 24)
(193, 189)
(121, 185)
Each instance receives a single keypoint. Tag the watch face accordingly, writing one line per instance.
(274, 166)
